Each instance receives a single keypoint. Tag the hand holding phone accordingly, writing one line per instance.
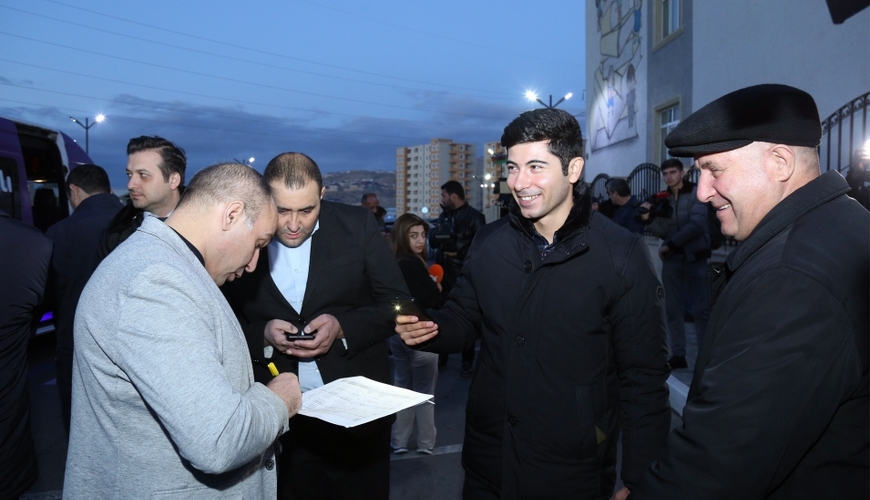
(300, 332)
(410, 308)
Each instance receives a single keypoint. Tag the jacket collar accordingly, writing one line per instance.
(686, 189)
(820, 190)
(577, 219)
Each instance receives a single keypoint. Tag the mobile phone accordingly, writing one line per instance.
(410, 308)
(300, 335)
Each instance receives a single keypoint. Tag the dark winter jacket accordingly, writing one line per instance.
(573, 351)
(23, 272)
(686, 232)
(461, 225)
(626, 216)
(778, 407)
(125, 223)
(424, 291)
(76, 256)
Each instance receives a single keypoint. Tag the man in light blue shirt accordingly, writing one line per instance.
(330, 274)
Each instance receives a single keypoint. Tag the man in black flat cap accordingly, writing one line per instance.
(778, 407)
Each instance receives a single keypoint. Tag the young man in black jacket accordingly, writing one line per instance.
(684, 252)
(569, 312)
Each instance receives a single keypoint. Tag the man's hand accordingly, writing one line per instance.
(276, 334)
(413, 331)
(328, 329)
(647, 205)
(622, 494)
(286, 386)
(664, 252)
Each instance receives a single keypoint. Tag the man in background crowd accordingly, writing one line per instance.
(76, 255)
(626, 212)
(24, 269)
(684, 253)
(451, 237)
(155, 169)
(370, 202)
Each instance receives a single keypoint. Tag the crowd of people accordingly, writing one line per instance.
(190, 322)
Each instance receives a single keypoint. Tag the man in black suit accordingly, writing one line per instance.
(329, 272)
(76, 255)
(24, 268)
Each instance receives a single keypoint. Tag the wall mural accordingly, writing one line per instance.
(614, 105)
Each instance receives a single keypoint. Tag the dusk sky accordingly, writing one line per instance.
(344, 82)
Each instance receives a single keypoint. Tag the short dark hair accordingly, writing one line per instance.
(227, 182)
(619, 186)
(671, 163)
(294, 170)
(91, 179)
(173, 158)
(366, 197)
(454, 187)
(557, 126)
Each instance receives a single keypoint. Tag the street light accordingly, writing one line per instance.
(87, 126)
(534, 98)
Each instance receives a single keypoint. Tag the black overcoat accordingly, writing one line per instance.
(573, 352)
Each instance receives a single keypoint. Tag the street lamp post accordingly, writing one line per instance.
(534, 98)
(87, 126)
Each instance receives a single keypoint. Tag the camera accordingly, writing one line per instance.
(660, 206)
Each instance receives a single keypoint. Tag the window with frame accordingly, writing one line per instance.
(669, 118)
(670, 16)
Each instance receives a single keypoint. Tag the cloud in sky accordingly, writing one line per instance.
(346, 85)
(212, 134)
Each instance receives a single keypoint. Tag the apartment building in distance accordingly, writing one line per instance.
(422, 169)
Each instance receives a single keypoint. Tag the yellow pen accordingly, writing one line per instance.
(272, 369)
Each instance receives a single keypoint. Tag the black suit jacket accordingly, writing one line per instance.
(23, 271)
(352, 276)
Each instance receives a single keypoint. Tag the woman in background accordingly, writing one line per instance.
(412, 369)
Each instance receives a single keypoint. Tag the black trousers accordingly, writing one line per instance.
(321, 461)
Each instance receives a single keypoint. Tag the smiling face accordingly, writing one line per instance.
(417, 239)
(740, 186)
(544, 194)
(298, 210)
(149, 191)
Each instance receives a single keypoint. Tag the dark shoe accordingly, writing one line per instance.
(678, 362)
(400, 451)
(466, 370)
(425, 451)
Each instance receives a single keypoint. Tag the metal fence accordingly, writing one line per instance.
(844, 132)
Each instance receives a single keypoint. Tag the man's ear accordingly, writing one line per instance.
(322, 190)
(174, 180)
(782, 159)
(233, 214)
(575, 169)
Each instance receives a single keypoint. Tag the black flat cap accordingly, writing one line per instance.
(768, 113)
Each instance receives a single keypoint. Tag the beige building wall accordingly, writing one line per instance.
(422, 169)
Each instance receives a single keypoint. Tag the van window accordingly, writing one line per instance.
(45, 176)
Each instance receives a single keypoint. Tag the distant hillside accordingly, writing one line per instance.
(348, 187)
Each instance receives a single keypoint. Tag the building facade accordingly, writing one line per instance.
(421, 171)
(649, 64)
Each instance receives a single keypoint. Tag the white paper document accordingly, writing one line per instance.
(353, 401)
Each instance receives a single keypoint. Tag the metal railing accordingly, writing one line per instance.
(843, 132)
(645, 180)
